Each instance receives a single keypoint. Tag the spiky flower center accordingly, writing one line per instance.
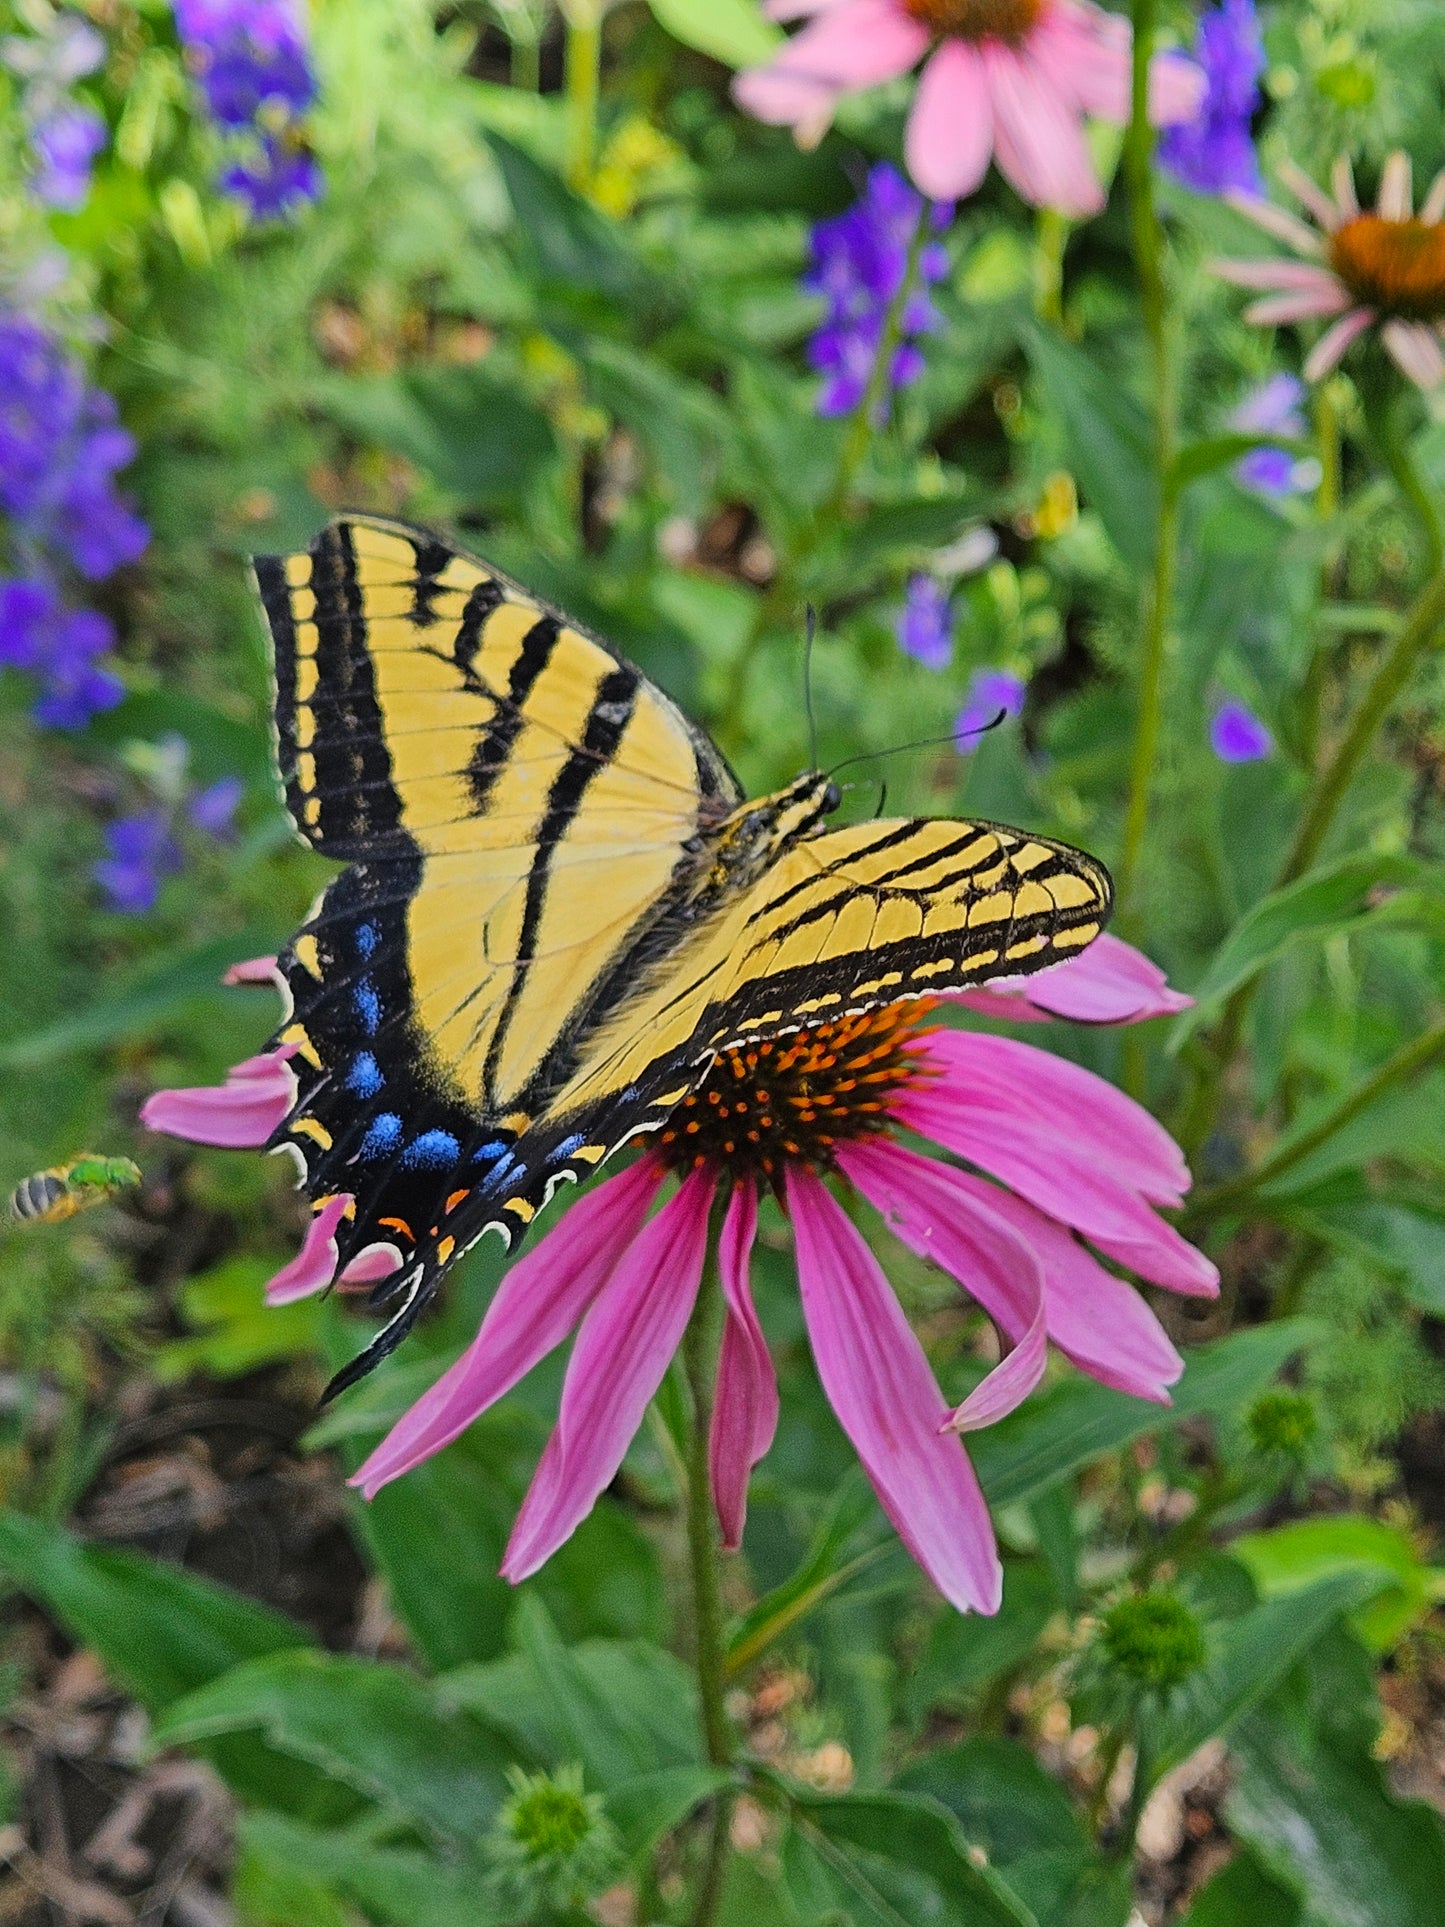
(791, 1099)
(1395, 266)
(1007, 20)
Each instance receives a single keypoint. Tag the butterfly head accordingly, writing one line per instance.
(806, 803)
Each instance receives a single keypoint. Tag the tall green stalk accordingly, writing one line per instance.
(1148, 240)
(699, 1357)
(584, 80)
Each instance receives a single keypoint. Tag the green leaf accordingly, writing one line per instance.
(394, 1884)
(1398, 1238)
(898, 1860)
(573, 248)
(374, 1728)
(154, 995)
(681, 424)
(1253, 1654)
(1076, 1420)
(966, 1650)
(480, 437)
(236, 1330)
(1005, 1801)
(160, 1631)
(1289, 1558)
(651, 1805)
(1318, 1814)
(1107, 435)
(732, 31)
(622, 1709)
(613, 1733)
(828, 1566)
(1243, 1895)
(1311, 909)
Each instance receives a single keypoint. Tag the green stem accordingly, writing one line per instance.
(584, 76)
(1398, 664)
(527, 63)
(1392, 439)
(1148, 240)
(1051, 237)
(772, 606)
(1406, 1061)
(1327, 507)
(699, 1355)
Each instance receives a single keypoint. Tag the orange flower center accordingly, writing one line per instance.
(1008, 20)
(791, 1099)
(1395, 266)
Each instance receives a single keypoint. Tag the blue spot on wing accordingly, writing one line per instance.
(383, 1135)
(364, 1078)
(498, 1172)
(367, 1006)
(568, 1146)
(485, 1153)
(367, 938)
(433, 1150)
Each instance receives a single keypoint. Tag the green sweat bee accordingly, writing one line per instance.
(49, 1197)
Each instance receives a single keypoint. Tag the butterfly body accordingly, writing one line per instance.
(559, 905)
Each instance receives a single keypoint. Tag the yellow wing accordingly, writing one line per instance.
(846, 921)
(518, 806)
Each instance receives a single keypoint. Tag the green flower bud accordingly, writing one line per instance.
(552, 1845)
(1282, 1424)
(1154, 1639)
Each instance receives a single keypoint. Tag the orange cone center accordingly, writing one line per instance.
(790, 1099)
(1008, 20)
(1395, 266)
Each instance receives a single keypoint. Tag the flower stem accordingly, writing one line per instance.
(584, 74)
(1148, 240)
(699, 1352)
(1405, 1063)
(1051, 236)
(1414, 637)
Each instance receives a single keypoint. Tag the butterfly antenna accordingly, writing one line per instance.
(810, 637)
(924, 742)
(882, 799)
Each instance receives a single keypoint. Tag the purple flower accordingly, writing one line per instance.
(989, 691)
(273, 185)
(1214, 153)
(65, 145)
(251, 59)
(1236, 735)
(860, 260)
(142, 852)
(925, 623)
(60, 444)
(1272, 409)
(213, 809)
(38, 633)
(65, 136)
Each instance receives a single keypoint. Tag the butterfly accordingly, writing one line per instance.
(558, 904)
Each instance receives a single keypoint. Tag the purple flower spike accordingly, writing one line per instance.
(1238, 736)
(859, 262)
(1214, 153)
(1272, 408)
(251, 59)
(213, 809)
(925, 623)
(59, 645)
(989, 691)
(142, 853)
(65, 146)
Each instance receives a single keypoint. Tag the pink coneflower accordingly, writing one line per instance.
(1057, 1169)
(1009, 78)
(1357, 268)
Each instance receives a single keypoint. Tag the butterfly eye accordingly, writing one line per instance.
(832, 799)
